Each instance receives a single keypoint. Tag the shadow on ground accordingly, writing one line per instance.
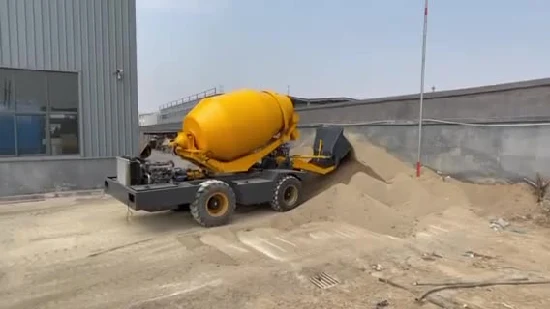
(343, 174)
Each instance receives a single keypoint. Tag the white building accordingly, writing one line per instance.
(148, 119)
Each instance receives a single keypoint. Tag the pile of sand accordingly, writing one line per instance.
(376, 191)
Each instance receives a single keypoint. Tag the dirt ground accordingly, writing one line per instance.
(371, 219)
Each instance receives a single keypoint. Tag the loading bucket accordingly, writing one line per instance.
(331, 142)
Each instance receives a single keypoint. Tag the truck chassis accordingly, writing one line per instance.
(212, 201)
(212, 198)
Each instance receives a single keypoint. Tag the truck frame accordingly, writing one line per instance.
(212, 198)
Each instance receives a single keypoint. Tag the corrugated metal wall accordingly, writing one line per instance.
(94, 38)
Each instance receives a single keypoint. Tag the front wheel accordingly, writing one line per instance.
(214, 203)
(287, 194)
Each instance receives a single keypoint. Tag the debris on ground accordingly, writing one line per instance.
(377, 267)
(520, 281)
(472, 254)
(499, 224)
(431, 256)
(382, 304)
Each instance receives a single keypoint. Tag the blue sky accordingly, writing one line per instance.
(353, 48)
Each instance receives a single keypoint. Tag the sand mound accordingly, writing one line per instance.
(383, 164)
(345, 202)
(373, 190)
(376, 191)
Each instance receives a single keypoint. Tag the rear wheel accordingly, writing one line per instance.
(287, 194)
(214, 203)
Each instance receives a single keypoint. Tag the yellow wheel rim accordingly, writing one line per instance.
(217, 204)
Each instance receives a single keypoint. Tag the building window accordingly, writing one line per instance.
(38, 113)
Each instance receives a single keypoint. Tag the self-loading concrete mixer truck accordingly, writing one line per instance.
(239, 143)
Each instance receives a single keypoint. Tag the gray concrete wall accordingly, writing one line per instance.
(521, 101)
(476, 154)
(48, 175)
(515, 144)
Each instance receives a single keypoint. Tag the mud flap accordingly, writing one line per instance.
(330, 141)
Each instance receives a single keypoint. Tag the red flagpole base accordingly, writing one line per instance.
(418, 165)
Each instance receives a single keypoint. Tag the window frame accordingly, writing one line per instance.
(47, 156)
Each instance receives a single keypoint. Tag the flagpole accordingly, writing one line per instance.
(422, 71)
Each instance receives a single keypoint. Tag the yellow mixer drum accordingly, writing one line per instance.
(232, 125)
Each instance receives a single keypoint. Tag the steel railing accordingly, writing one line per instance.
(189, 101)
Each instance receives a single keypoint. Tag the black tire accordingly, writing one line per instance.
(214, 203)
(287, 194)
